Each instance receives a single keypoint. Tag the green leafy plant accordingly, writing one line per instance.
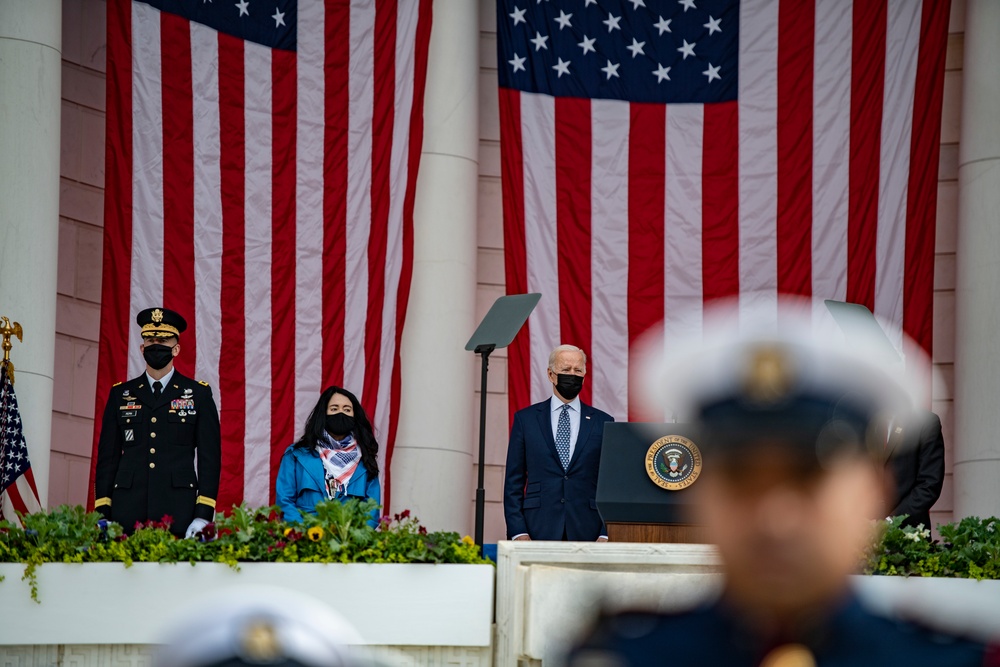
(337, 533)
(968, 549)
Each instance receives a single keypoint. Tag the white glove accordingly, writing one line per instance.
(195, 527)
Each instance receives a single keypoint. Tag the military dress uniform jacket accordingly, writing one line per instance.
(146, 454)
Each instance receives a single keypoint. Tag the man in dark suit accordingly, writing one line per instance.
(153, 428)
(916, 461)
(550, 489)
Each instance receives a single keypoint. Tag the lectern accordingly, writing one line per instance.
(644, 485)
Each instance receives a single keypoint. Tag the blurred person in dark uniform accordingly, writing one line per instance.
(916, 461)
(792, 433)
(154, 430)
(261, 625)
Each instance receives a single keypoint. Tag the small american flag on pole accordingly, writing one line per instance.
(18, 493)
(261, 167)
(659, 154)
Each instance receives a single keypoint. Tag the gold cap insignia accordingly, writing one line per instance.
(769, 375)
(260, 641)
(157, 316)
(789, 655)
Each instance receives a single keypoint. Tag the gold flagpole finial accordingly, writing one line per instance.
(7, 330)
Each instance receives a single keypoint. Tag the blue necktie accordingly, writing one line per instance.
(562, 437)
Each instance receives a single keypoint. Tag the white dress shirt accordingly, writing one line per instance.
(163, 380)
(555, 405)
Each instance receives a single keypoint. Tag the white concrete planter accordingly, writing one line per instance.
(549, 592)
(961, 606)
(107, 603)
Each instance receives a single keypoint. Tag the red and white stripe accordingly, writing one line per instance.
(267, 196)
(819, 181)
(20, 497)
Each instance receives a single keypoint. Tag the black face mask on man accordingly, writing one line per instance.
(568, 385)
(339, 423)
(158, 356)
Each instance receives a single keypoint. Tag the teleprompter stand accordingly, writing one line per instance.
(506, 317)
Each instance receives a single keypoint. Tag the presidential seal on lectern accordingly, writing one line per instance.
(673, 462)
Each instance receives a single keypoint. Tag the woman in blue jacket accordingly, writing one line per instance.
(335, 459)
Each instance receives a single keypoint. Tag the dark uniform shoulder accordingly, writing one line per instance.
(125, 386)
(637, 638)
(185, 381)
(907, 641)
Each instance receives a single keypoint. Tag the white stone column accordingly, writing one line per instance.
(30, 101)
(433, 456)
(977, 361)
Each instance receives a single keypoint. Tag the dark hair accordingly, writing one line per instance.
(363, 431)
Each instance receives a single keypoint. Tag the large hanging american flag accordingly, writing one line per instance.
(18, 492)
(261, 165)
(657, 154)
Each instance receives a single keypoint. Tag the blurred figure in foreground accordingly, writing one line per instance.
(261, 625)
(791, 433)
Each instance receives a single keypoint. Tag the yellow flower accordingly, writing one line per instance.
(468, 540)
(315, 533)
(287, 530)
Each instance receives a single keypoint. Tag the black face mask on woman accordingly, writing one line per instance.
(568, 385)
(158, 356)
(339, 423)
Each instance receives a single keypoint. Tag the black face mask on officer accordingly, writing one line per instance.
(158, 356)
(339, 423)
(568, 385)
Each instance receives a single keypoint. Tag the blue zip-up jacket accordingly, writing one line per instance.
(301, 484)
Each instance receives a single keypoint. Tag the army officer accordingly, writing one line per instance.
(159, 450)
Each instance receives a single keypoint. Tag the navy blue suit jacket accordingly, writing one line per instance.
(917, 464)
(539, 497)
